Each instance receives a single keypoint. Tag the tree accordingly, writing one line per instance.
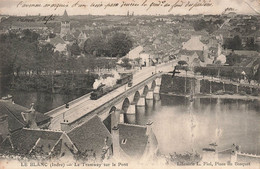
(52, 35)
(95, 46)
(75, 49)
(18, 51)
(199, 25)
(182, 62)
(234, 43)
(119, 45)
(176, 31)
(138, 60)
(232, 59)
(126, 63)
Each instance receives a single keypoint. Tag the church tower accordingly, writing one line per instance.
(65, 24)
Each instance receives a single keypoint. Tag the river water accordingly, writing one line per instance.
(43, 102)
(225, 121)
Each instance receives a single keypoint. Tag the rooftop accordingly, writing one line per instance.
(132, 139)
(90, 135)
(24, 140)
(65, 17)
(194, 44)
(15, 119)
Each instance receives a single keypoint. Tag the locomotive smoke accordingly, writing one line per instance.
(109, 81)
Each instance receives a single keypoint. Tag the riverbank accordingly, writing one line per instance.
(223, 96)
(183, 85)
(60, 83)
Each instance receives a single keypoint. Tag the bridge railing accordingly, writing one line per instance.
(71, 103)
(100, 109)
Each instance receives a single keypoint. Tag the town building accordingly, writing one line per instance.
(194, 52)
(19, 116)
(90, 140)
(135, 142)
(65, 24)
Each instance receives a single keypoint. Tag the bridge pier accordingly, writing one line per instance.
(122, 118)
(137, 98)
(115, 118)
(156, 93)
(158, 81)
(157, 105)
(131, 114)
(140, 107)
(141, 102)
(149, 98)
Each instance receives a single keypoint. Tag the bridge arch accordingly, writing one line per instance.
(113, 109)
(112, 119)
(136, 97)
(153, 85)
(145, 91)
(126, 104)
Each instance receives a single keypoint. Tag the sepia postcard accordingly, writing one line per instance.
(129, 84)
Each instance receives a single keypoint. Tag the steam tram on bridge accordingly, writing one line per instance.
(102, 90)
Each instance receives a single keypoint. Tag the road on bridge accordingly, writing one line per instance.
(86, 105)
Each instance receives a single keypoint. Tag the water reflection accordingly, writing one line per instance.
(225, 121)
(43, 101)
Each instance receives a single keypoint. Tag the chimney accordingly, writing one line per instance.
(115, 141)
(4, 130)
(30, 117)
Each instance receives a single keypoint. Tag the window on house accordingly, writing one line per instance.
(124, 141)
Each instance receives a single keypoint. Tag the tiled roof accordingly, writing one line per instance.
(56, 40)
(135, 139)
(45, 144)
(15, 119)
(90, 135)
(69, 37)
(78, 34)
(245, 52)
(14, 122)
(24, 140)
(194, 44)
(191, 52)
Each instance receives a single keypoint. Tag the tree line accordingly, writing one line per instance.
(22, 55)
(228, 72)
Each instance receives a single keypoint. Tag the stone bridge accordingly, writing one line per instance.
(122, 107)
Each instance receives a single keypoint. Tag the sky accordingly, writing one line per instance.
(85, 7)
